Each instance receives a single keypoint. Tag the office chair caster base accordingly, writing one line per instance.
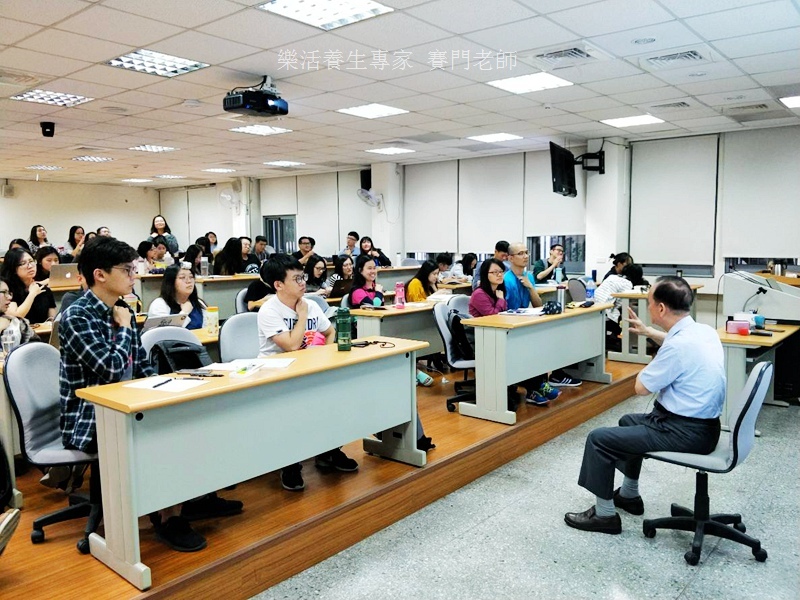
(83, 546)
(649, 532)
(692, 558)
(760, 554)
(740, 527)
(37, 536)
(451, 407)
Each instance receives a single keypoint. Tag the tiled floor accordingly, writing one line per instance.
(503, 536)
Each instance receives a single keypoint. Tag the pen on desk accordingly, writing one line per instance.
(191, 379)
(160, 383)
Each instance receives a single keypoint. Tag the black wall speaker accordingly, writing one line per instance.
(366, 179)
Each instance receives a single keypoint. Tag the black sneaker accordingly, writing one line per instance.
(336, 459)
(209, 507)
(424, 443)
(179, 535)
(563, 380)
(291, 479)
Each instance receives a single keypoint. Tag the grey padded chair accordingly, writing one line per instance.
(345, 303)
(459, 302)
(577, 289)
(239, 302)
(169, 332)
(732, 449)
(31, 379)
(319, 301)
(465, 390)
(238, 337)
(410, 262)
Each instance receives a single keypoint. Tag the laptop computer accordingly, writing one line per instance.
(64, 275)
(170, 320)
(341, 287)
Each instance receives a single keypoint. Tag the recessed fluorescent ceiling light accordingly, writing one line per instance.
(170, 177)
(530, 83)
(137, 180)
(149, 148)
(791, 101)
(260, 130)
(284, 163)
(391, 151)
(44, 168)
(219, 170)
(93, 158)
(633, 121)
(372, 111)
(326, 14)
(155, 63)
(495, 137)
(54, 98)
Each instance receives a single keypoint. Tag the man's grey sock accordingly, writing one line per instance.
(604, 508)
(630, 488)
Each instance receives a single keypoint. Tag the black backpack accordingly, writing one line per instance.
(463, 338)
(169, 356)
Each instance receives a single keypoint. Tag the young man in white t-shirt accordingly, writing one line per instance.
(287, 322)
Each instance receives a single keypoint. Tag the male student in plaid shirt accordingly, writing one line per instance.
(99, 345)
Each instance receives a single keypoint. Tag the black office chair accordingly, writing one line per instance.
(732, 449)
(465, 389)
(31, 380)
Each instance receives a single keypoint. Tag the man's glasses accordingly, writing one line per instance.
(5, 292)
(131, 270)
(300, 278)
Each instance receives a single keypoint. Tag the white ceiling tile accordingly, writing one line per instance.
(597, 71)
(487, 118)
(82, 88)
(701, 86)
(421, 102)
(203, 48)
(597, 103)
(746, 20)
(625, 84)
(452, 112)
(37, 62)
(392, 31)
(765, 63)
(116, 26)
(144, 99)
(431, 81)
(787, 77)
(671, 34)
(502, 104)
(548, 6)
(652, 95)
(72, 45)
(760, 43)
(523, 35)
(454, 16)
(690, 8)
(42, 12)
(326, 80)
(123, 78)
(737, 97)
(479, 91)
(594, 19)
(178, 13)
(12, 31)
(720, 70)
(176, 88)
(704, 122)
(378, 92)
(563, 94)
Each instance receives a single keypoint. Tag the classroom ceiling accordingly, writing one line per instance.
(730, 62)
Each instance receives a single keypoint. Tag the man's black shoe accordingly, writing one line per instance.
(179, 535)
(635, 506)
(210, 506)
(291, 479)
(336, 459)
(589, 521)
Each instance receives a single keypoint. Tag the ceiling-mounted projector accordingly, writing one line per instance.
(262, 100)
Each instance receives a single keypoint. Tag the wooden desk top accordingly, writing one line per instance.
(517, 321)
(65, 288)
(45, 329)
(237, 277)
(734, 339)
(795, 280)
(307, 362)
(391, 311)
(639, 295)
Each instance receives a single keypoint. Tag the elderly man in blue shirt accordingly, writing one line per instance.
(688, 373)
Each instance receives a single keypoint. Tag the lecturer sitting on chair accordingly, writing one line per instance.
(688, 373)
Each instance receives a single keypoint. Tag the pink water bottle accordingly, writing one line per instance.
(399, 295)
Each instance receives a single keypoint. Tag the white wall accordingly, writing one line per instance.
(547, 213)
(127, 211)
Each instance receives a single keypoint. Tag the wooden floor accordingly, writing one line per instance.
(282, 533)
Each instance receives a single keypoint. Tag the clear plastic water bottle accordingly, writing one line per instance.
(590, 287)
(399, 295)
(204, 266)
(344, 324)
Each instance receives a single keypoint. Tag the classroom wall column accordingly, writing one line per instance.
(387, 225)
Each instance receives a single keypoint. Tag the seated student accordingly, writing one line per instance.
(147, 253)
(500, 253)
(351, 249)
(90, 235)
(423, 284)
(289, 322)
(444, 260)
(258, 291)
(620, 261)
(103, 231)
(261, 250)
(465, 267)
(306, 249)
(342, 269)
(614, 284)
(228, 261)
(544, 270)
(179, 296)
(250, 264)
(212, 242)
(365, 290)
(32, 299)
(368, 248)
(37, 239)
(316, 269)
(163, 258)
(194, 254)
(18, 243)
(75, 242)
(100, 345)
(45, 257)
(159, 228)
(20, 327)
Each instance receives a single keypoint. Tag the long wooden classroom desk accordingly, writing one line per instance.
(157, 449)
(634, 348)
(8, 422)
(512, 348)
(415, 321)
(736, 349)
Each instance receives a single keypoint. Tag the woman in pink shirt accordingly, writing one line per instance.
(365, 289)
(489, 297)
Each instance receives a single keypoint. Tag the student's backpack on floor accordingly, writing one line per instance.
(169, 356)
(463, 339)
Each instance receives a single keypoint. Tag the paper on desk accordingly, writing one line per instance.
(174, 384)
(243, 363)
(529, 312)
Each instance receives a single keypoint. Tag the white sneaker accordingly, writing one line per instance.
(8, 524)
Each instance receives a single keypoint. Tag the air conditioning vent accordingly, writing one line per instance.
(672, 105)
(746, 108)
(91, 149)
(560, 58)
(15, 82)
(687, 57)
